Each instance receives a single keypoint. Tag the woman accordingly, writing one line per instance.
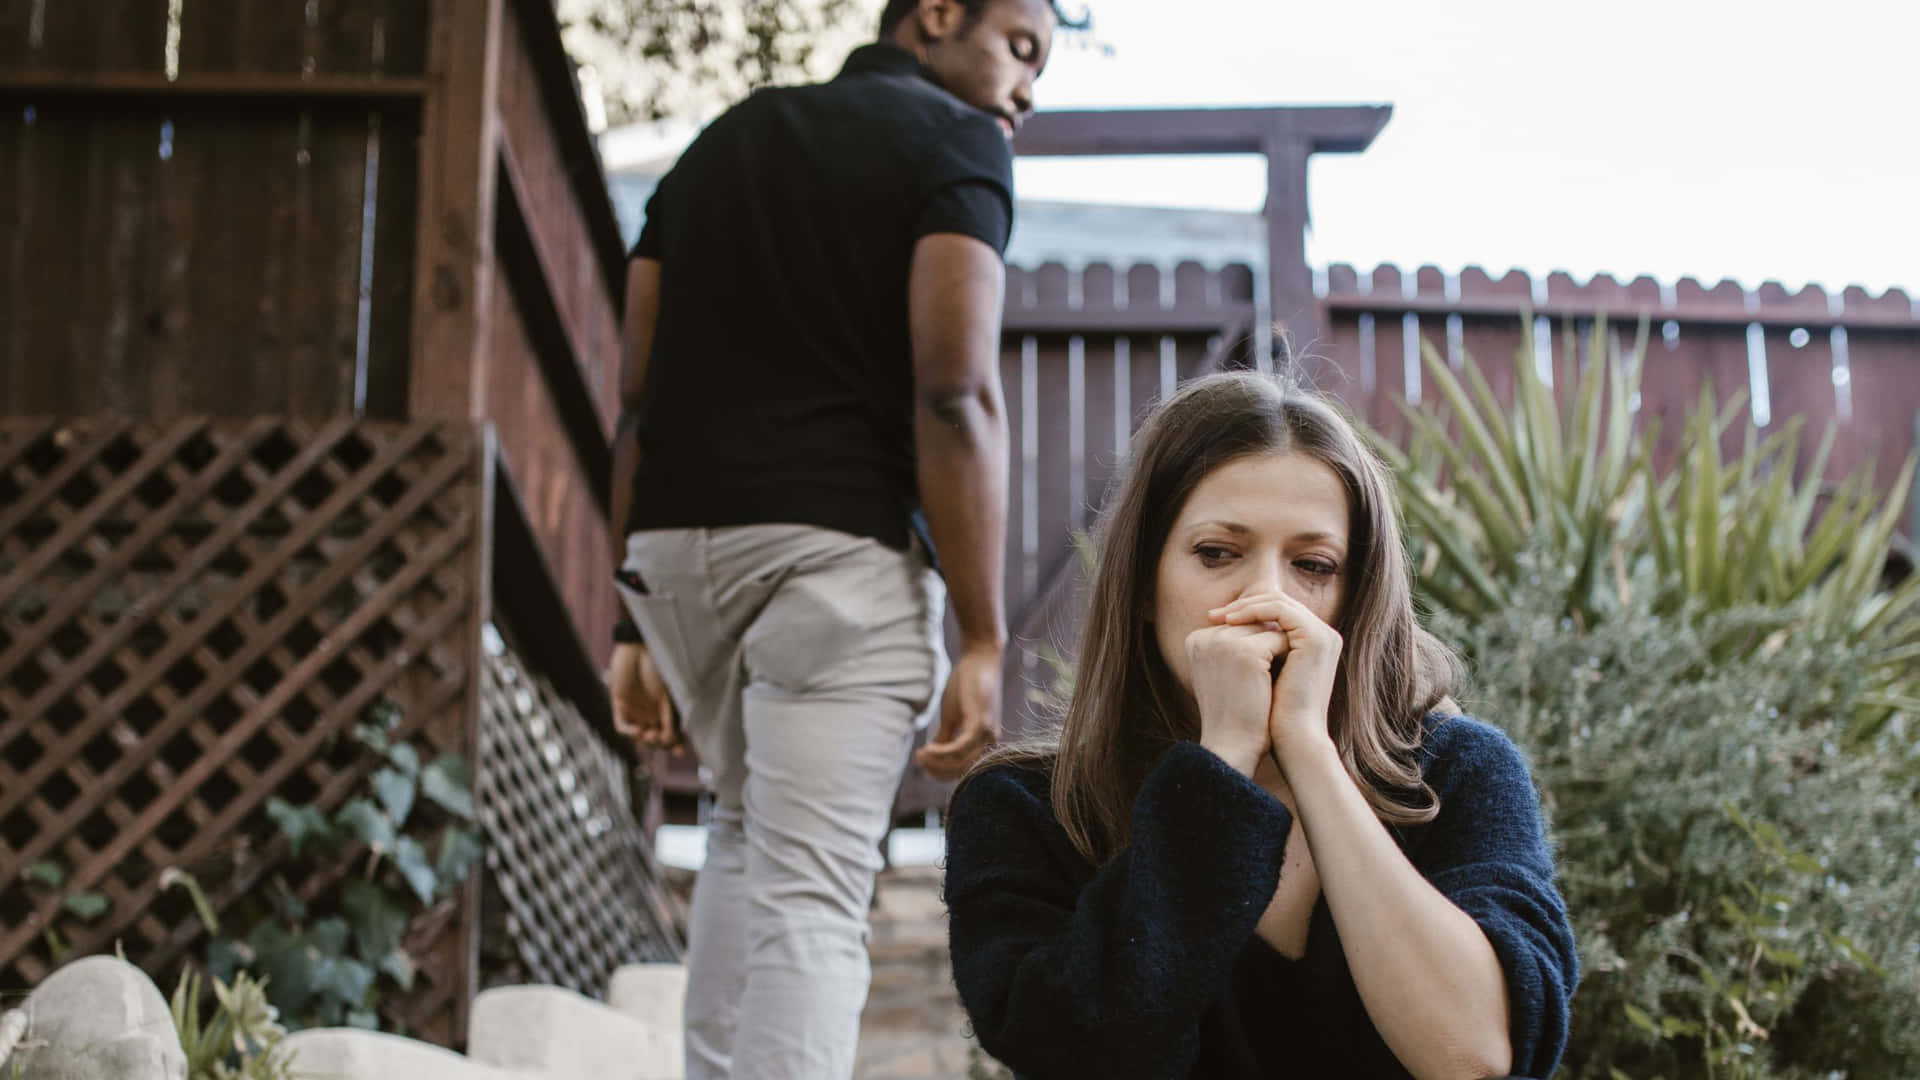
(1259, 845)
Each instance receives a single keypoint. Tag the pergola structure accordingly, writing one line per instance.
(1286, 137)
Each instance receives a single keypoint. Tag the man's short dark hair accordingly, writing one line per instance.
(897, 10)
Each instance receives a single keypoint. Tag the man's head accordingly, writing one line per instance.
(985, 52)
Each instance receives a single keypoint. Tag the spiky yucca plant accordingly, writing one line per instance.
(1482, 483)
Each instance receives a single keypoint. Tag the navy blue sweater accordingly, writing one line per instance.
(1149, 966)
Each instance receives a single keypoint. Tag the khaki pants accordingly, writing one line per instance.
(802, 661)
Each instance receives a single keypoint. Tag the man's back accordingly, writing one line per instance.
(780, 384)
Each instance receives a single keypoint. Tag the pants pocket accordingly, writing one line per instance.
(658, 618)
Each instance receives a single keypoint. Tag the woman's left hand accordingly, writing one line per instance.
(1303, 692)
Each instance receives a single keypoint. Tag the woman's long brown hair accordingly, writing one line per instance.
(1126, 708)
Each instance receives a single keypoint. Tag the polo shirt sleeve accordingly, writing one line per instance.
(968, 181)
(649, 246)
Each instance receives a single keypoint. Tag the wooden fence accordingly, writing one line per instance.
(308, 348)
(1848, 359)
(381, 208)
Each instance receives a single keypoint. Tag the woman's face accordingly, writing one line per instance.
(1266, 523)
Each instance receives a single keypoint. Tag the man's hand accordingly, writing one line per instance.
(642, 708)
(969, 715)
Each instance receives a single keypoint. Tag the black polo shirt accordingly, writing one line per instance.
(780, 388)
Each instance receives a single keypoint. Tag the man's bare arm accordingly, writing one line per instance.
(643, 312)
(955, 291)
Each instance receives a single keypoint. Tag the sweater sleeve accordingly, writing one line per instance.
(1488, 853)
(1067, 977)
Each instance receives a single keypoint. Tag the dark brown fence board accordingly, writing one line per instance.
(201, 262)
(1103, 423)
(1698, 334)
(389, 361)
(1055, 464)
(1885, 399)
(1012, 366)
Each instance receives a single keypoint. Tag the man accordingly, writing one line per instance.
(812, 423)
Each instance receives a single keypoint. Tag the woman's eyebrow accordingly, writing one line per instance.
(1311, 537)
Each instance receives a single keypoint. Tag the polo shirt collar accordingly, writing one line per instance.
(883, 59)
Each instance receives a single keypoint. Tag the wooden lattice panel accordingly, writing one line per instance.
(582, 891)
(191, 616)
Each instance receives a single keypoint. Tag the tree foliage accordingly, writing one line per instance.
(651, 59)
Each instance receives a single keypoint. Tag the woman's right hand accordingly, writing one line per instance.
(1232, 670)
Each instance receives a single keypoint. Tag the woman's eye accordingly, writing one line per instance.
(1317, 567)
(1211, 555)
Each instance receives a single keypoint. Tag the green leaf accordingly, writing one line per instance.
(405, 758)
(395, 790)
(1641, 1020)
(1732, 912)
(411, 860)
(364, 1019)
(1672, 1026)
(377, 917)
(343, 978)
(225, 957)
(1786, 958)
(301, 825)
(400, 967)
(366, 823)
(174, 876)
(45, 872)
(281, 959)
(329, 936)
(460, 849)
(85, 905)
(449, 783)
(1802, 863)
(374, 738)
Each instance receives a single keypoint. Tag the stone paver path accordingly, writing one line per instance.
(914, 1028)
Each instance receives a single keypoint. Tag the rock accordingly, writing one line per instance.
(99, 1019)
(566, 1036)
(352, 1054)
(654, 994)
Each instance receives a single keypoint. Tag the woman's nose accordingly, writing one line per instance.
(1266, 578)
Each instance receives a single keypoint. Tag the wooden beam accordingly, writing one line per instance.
(560, 96)
(453, 252)
(235, 85)
(531, 282)
(1141, 320)
(1325, 129)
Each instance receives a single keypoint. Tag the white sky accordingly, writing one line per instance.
(1754, 140)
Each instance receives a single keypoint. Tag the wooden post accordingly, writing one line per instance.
(453, 261)
(1289, 278)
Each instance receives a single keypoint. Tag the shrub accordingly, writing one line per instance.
(1743, 887)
